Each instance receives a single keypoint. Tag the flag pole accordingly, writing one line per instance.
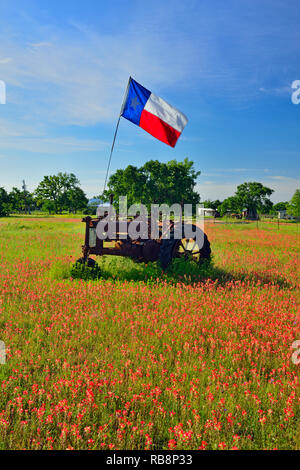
(117, 127)
(111, 151)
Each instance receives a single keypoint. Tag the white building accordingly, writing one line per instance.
(206, 212)
(284, 215)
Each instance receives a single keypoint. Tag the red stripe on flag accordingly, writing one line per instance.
(158, 128)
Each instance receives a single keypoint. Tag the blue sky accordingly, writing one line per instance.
(228, 66)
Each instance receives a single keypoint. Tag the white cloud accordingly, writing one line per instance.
(5, 60)
(34, 138)
(213, 190)
(13, 128)
(221, 171)
(40, 44)
(282, 178)
(58, 77)
(52, 145)
(82, 81)
(79, 76)
(284, 188)
(277, 91)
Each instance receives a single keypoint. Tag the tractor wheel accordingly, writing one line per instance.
(90, 262)
(166, 251)
(186, 248)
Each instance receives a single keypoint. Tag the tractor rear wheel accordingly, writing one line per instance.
(196, 247)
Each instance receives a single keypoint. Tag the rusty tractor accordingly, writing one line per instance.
(164, 248)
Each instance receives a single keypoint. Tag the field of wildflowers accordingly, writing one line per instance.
(144, 360)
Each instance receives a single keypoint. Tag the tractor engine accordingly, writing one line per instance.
(143, 250)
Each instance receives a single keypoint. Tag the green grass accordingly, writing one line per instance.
(199, 356)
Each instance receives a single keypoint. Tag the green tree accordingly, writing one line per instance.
(155, 182)
(4, 203)
(129, 182)
(62, 190)
(230, 204)
(267, 207)
(21, 201)
(16, 200)
(294, 205)
(280, 206)
(253, 196)
(212, 204)
(76, 200)
(48, 206)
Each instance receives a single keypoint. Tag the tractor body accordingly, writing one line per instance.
(164, 248)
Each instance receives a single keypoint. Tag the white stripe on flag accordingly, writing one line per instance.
(163, 110)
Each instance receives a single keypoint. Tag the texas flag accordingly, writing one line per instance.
(152, 113)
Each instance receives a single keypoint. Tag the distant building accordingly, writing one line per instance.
(206, 212)
(244, 212)
(102, 208)
(284, 215)
(250, 214)
(94, 201)
(281, 214)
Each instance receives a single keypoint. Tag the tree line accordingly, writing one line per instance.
(254, 197)
(55, 194)
(153, 182)
(175, 182)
